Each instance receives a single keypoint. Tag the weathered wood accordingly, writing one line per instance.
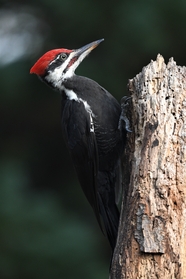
(152, 233)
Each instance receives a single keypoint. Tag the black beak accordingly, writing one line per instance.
(88, 48)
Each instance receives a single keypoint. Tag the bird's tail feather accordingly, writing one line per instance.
(110, 218)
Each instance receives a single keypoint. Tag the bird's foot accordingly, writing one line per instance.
(125, 104)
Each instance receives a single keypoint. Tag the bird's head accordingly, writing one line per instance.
(57, 65)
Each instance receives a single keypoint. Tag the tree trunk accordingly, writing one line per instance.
(152, 234)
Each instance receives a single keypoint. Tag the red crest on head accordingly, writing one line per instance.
(43, 62)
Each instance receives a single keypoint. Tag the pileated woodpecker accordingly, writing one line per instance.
(90, 123)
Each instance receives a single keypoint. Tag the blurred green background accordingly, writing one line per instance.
(47, 228)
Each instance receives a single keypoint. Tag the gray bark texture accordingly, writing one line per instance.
(152, 233)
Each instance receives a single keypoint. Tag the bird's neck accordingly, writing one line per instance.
(73, 90)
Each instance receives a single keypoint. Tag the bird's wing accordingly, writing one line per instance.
(81, 141)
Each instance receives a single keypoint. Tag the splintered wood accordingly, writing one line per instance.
(152, 234)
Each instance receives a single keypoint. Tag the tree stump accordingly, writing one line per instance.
(152, 233)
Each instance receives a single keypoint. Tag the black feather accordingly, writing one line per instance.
(95, 154)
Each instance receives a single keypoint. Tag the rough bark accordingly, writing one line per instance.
(152, 234)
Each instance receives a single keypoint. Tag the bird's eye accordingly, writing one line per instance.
(62, 56)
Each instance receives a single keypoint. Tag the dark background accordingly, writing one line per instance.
(47, 228)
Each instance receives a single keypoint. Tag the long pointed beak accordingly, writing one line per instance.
(85, 50)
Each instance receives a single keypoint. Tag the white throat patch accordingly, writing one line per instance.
(58, 75)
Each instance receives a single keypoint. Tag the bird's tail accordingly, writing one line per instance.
(110, 218)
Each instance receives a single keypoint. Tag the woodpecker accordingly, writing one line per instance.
(90, 118)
